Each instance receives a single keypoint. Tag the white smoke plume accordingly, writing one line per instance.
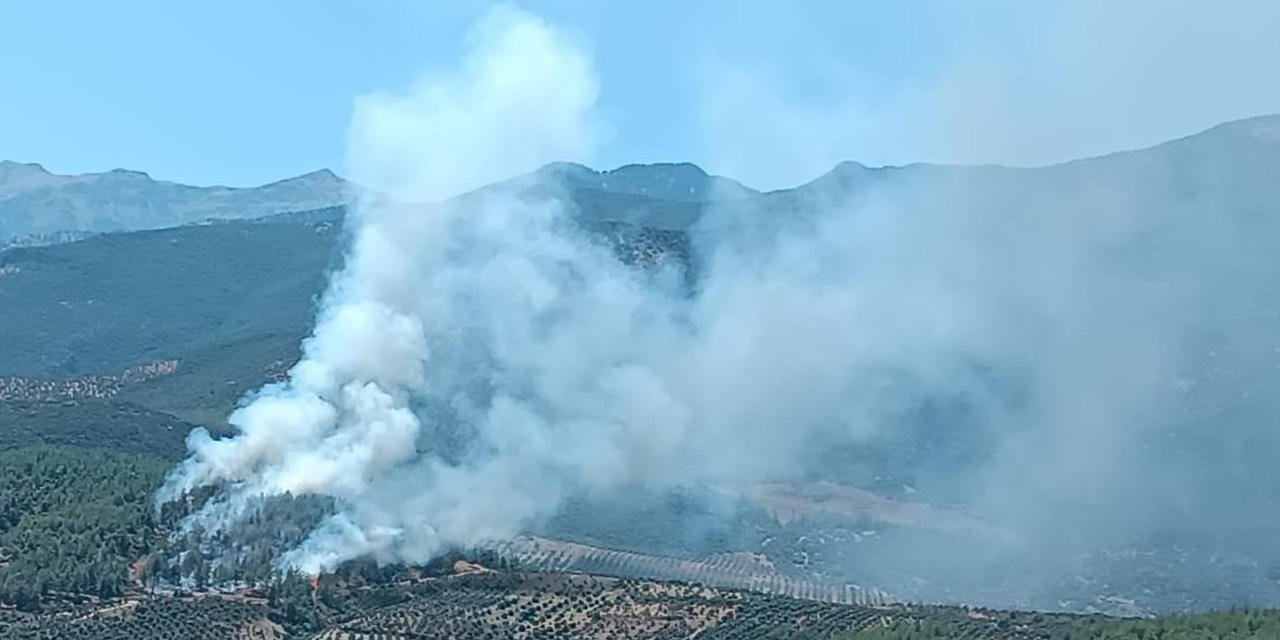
(491, 322)
(343, 425)
(480, 359)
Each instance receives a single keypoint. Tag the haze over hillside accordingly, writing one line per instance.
(1227, 172)
(34, 201)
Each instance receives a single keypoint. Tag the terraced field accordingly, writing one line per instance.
(543, 605)
(153, 619)
(529, 606)
(727, 571)
(483, 604)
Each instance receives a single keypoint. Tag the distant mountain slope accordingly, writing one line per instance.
(114, 300)
(34, 201)
(40, 208)
(676, 181)
(664, 196)
(202, 291)
(1229, 169)
(248, 287)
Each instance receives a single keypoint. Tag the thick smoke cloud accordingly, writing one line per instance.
(481, 359)
(344, 423)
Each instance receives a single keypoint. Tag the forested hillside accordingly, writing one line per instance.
(111, 425)
(73, 521)
(118, 300)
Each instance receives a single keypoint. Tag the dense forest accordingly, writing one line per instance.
(73, 521)
(92, 423)
(84, 554)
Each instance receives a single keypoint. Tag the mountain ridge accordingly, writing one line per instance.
(1236, 186)
(37, 203)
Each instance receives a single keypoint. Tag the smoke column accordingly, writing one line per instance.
(480, 359)
(342, 425)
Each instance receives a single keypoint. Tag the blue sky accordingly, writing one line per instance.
(241, 92)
